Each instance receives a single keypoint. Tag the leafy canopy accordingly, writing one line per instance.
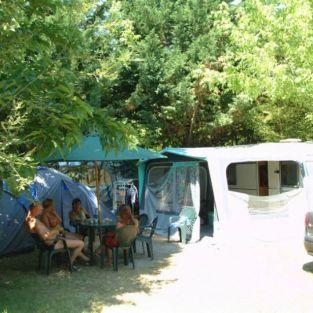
(49, 67)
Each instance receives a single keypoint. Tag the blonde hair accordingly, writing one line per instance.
(32, 206)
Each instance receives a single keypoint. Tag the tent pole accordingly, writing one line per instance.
(98, 191)
(62, 209)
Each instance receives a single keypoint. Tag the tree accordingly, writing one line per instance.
(158, 90)
(45, 50)
(268, 67)
(212, 73)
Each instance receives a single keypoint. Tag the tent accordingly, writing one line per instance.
(168, 185)
(236, 213)
(13, 234)
(91, 150)
(49, 183)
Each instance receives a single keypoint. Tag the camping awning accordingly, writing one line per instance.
(90, 149)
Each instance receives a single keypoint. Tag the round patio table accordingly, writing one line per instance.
(93, 227)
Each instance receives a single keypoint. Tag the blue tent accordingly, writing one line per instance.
(57, 186)
(13, 234)
(48, 183)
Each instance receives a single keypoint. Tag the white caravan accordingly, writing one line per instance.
(258, 191)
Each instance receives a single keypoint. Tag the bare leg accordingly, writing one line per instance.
(69, 235)
(77, 247)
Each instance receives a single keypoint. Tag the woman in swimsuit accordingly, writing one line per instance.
(49, 236)
(53, 221)
(126, 231)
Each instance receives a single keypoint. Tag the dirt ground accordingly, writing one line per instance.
(255, 277)
(202, 277)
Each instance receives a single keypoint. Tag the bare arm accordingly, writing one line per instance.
(86, 213)
(58, 217)
(135, 221)
(44, 232)
(50, 234)
(119, 225)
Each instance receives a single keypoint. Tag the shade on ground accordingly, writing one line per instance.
(91, 149)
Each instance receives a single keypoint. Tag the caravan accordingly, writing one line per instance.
(255, 191)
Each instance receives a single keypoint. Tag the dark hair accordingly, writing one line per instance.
(76, 200)
(47, 203)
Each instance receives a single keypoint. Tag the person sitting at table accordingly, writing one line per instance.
(53, 221)
(126, 231)
(49, 235)
(78, 213)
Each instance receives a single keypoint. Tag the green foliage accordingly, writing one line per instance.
(268, 67)
(157, 72)
(158, 90)
(212, 73)
(46, 57)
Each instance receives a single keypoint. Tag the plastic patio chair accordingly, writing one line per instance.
(128, 252)
(143, 223)
(46, 253)
(147, 239)
(184, 224)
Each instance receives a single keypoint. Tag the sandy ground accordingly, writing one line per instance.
(207, 277)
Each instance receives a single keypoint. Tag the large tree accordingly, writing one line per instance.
(212, 73)
(159, 90)
(268, 68)
(49, 65)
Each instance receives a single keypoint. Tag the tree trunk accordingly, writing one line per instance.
(198, 102)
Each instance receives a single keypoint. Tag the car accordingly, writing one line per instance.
(308, 235)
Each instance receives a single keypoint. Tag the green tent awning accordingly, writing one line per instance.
(90, 149)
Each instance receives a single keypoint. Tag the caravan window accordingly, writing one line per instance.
(289, 174)
(231, 173)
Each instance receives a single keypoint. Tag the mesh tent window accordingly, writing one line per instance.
(170, 187)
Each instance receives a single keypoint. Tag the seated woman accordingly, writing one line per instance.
(48, 236)
(126, 231)
(53, 221)
(78, 213)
